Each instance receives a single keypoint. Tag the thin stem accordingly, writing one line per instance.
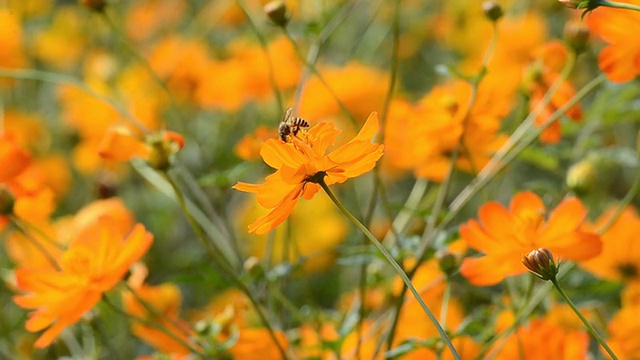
(395, 50)
(265, 49)
(500, 161)
(60, 79)
(309, 65)
(216, 255)
(617, 5)
(37, 245)
(393, 264)
(586, 323)
(633, 191)
(152, 324)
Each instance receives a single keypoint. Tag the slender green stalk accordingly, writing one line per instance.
(494, 167)
(37, 245)
(60, 79)
(152, 324)
(223, 264)
(311, 66)
(393, 264)
(617, 5)
(633, 191)
(265, 49)
(586, 323)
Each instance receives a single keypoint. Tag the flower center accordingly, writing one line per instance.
(628, 271)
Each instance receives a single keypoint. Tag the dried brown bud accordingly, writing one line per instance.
(576, 34)
(277, 12)
(541, 263)
(492, 10)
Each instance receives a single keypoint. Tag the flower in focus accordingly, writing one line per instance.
(620, 257)
(504, 235)
(295, 244)
(304, 157)
(620, 29)
(94, 262)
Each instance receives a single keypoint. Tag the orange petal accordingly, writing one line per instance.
(486, 271)
(495, 220)
(477, 238)
(278, 215)
(121, 145)
(525, 203)
(567, 217)
(277, 154)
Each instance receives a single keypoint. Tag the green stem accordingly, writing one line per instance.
(393, 264)
(586, 323)
(309, 65)
(617, 5)
(623, 204)
(60, 79)
(216, 255)
(152, 324)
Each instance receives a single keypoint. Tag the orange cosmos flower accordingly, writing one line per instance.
(165, 299)
(621, 30)
(505, 235)
(120, 144)
(94, 262)
(620, 257)
(551, 58)
(301, 159)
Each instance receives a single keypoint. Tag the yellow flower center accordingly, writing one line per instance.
(77, 261)
(527, 225)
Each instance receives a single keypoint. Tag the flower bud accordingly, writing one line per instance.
(164, 146)
(576, 35)
(541, 263)
(571, 4)
(7, 200)
(277, 12)
(448, 263)
(582, 177)
(492, 10)
(94, 5)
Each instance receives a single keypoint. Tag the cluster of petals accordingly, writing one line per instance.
(97, 258)
(505, 235)
(305, 156)
(620, 29)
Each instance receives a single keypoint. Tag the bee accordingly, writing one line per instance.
(290, 125)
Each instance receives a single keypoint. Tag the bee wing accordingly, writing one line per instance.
(287, 115)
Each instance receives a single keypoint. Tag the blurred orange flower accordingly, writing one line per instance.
(120, 144)
(620, 29)
(304, 157)
(543, 338)
(505, 235)
(166, 300)
(551, 58)
(95, 261)
(620, 257)
(248, 148)
(422, 137)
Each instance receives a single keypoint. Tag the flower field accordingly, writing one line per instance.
(305, 180)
